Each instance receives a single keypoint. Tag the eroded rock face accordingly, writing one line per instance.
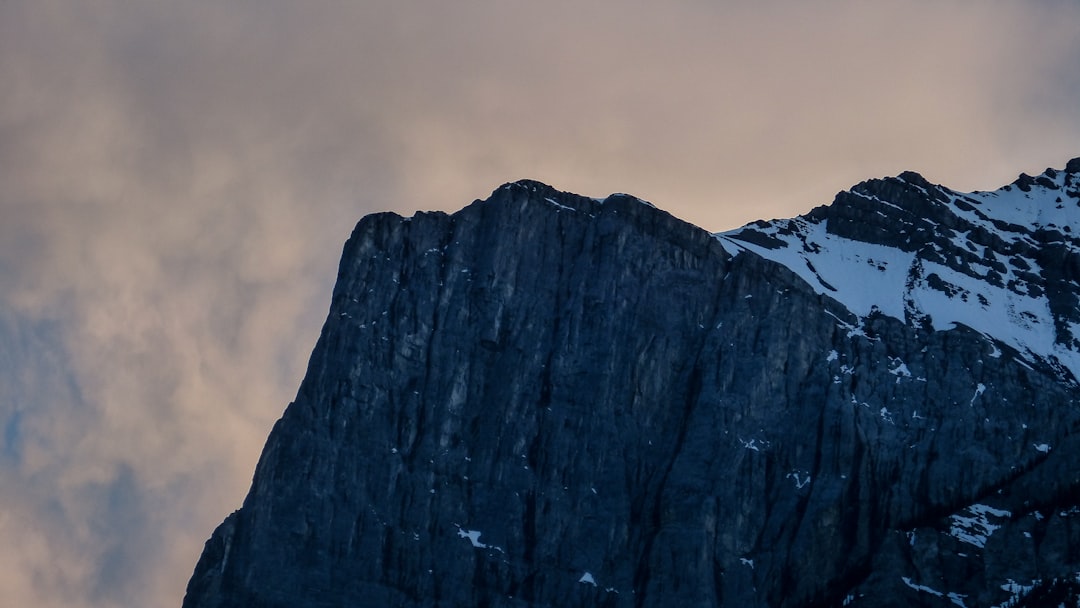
(550, 400)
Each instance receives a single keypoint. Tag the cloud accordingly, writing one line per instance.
(176, 181)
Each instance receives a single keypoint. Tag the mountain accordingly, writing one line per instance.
(552, 400)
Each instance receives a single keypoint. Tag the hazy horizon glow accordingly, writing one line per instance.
(177, 180)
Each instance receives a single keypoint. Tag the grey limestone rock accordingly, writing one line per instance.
(551, 400)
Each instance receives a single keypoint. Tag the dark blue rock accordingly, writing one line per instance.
(549, 400)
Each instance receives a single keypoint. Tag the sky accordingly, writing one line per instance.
(177, 180)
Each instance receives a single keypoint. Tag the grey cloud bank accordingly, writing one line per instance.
(176, 181)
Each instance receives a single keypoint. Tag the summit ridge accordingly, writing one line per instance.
(1004, 263)
(545, 399)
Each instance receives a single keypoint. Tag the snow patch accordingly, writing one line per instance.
(753, 444)
(921, 588)
(863, 275)
(976, 526)
(901, 370)
(552, 201)
(474, 539)
(957, 599)
(886, 415)
(473, 536)
(979, 390)
(852, 330)
(801, 478)
(1017, 590)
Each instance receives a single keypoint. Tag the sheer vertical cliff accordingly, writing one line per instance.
(551, 400)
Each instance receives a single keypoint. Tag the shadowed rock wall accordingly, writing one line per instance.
(549, 400)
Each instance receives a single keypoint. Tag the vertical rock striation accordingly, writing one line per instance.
(550, 400)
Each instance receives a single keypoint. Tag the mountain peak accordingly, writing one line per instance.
(545, 399)
(1003, 262)
(528, 184)
(914, 178)
(1073, 166)
(537, 191)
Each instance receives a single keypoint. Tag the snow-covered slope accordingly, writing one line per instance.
(1003, 263)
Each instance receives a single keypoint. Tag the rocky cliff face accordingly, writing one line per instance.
(550, 400)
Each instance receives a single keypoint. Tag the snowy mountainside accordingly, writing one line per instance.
(1004, 263)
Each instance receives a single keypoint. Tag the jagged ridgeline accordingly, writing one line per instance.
(551, 400)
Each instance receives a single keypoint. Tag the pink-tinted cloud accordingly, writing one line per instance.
(176, 180)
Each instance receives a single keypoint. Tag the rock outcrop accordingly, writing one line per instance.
(551, 400)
